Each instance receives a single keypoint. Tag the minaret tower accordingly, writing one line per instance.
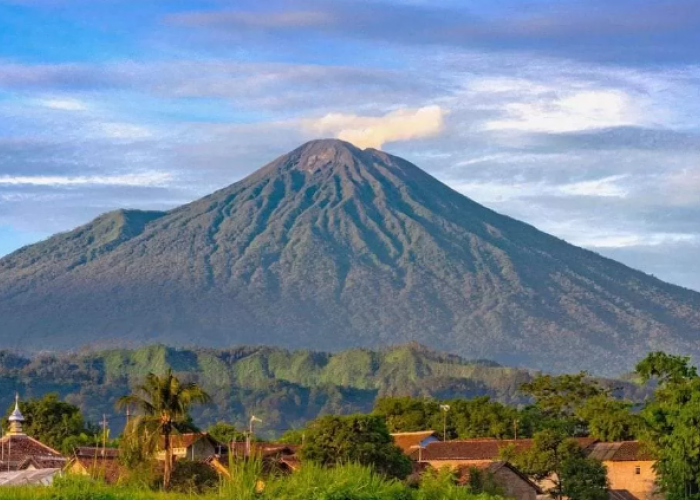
(16, 419)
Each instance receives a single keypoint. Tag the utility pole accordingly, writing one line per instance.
(251, 430)
(515, 428)
(104, 434)
(445, 409)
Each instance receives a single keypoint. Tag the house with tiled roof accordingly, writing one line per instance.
(411, 442)
(507, 478)
(467, 451)
(630, 469)
(21, 452)
(98, 463)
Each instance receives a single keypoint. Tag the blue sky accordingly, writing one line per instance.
(579, 117)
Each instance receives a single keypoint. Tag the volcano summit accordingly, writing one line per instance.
(329, 247)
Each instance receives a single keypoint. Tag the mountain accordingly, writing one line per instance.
(330, 247)
(284, 388)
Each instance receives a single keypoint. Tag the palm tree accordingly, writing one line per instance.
(163, 404)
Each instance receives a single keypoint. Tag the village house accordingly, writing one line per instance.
(630, 468)
(99, 463)
(193, 446)
(21, 452)
(508, 479)
(277, 457)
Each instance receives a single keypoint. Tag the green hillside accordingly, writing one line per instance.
(285, 388)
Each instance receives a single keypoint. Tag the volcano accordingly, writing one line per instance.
(330, 247)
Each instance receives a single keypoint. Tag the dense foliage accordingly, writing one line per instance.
(672, 423)
(333, 247)
(363, 439)
(55, 423)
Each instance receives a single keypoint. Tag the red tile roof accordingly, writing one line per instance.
(480, 449)
(19, 451)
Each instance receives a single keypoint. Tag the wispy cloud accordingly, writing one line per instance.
(142, 179)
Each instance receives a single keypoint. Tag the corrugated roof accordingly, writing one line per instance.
(28, 477)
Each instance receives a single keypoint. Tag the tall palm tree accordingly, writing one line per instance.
(163, 403)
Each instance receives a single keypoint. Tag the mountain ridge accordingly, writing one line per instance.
(332, 247)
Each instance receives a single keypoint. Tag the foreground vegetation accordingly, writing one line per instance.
(346, 482)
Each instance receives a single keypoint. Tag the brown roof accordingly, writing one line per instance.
(107, 468)
(490, 467)
(480, 449)
(408, 441)
(238, 449)
(620, 451)
(88, 451)
(621, 495)
(19, 451)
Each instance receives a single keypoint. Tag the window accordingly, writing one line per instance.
(637, 470)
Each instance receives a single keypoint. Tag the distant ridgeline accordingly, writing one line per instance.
(285, 388)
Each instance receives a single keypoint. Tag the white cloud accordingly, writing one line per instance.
(373, 131)
(625, 240)
(574, 111)
(63, 104)
(144, 179)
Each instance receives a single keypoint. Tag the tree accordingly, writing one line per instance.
(584, 479)
(672, 423)
(363, 439)
(609, 419)
(224, 432)
(556, 457)
(407, 414)
(467, 418)
(578, 406)
(163, 403)
(55, 422)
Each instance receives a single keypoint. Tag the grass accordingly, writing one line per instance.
(347, 482)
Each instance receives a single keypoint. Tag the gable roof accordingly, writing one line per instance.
(464, 472)
(408, 441)
(19, 451)
(620, 451)
(186, 440)
(481, 449)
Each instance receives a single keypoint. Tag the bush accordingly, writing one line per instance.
(193, 477)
